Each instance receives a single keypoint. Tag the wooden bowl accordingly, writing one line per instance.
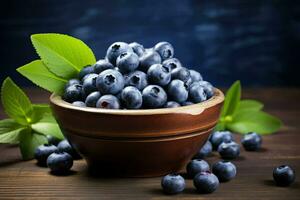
(137, 143)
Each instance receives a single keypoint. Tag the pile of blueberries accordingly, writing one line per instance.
(57, 155)
(132, 77)
(206, 180)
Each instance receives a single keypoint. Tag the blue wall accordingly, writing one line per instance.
(256, 41)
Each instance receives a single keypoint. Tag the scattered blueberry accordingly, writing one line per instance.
(159, 74)
(196, 76)
(43, 151)
(137, 48)
(172, 104)
(73, 93)
(108, 102)
(197, 93)
(218, 137)
(79, 103)
(110, 82)
(154, 96)
(92, 99)
(204, 151)
(60, 163)
(115, 50)
(65, 146)
(102, 65)
(131, 97)
(196, 166)
(173, 184)
(53, 140)
(229, 150)
(150, 57)
(206, 182)
(89, 84)
(84, 71)
(127, 62)
(284, 175)
(224, 170)
(137, 79)
(177, 91)
(251, 141)
(165, 50)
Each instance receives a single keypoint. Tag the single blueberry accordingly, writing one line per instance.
(65, 146)
(72, 82)
(92, 99)
(251, 141)
(172, 63)
(89, 84)
(102, 65)
(84, 71)
(165, 50)
(79, 103)
(159, 75)
(110, 82)
(108, 102)
(137, 48)
(177, 91)
(73, 93)
(218, 137)
(196, 166)
(196, 76)
(224, 170)
(208, 88)
(60, 163)
(229, 150)
(154, 96)
(197, 93)
(204, 151)
(173, 184)
(284, 175)
(137, 79)
(127, 62)
(172, 104)
(42, 152)
(131, 97)
(181, 73)
(115, 50)
(150, 57)
(53, 140)
(187, 103)
(206, 182)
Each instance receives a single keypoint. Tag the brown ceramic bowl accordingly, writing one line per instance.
(137, 143)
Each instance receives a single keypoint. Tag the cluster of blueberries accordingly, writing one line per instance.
(57, 155)
(206, 181)
(132, 77)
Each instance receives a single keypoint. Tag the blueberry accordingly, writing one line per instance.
(115, 50)
(150, 57)
(196, 76)
(60, 163)
(42, 152)
(154, 96)
(172, 63)
(89, 84)
(73, 93)
(110, 82)
(197, 93)
(251, 141)
(137, 48)
(284, 175)
(218, 137)
(177, 91)
(72, 82)
(65, 146)
(79, 103)
(181, 73)
(173, 184)
(229, 150)
(204, 151)
(127, 62)
(172, 104)
(131, 97)
(224, 170)
(208, 88)
(108, 102)
(137, 79)
(84, 71)
(196, 166)
(165, 50)
(159, 74)
(92, 99)
(206, 182)
(187, 103)
(102, 65)
(53, 140)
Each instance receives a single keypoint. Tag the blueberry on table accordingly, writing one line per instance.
(204, 151)
(284, 175)
(177, 91)
(53, 140)
(42, 152)
(89, 84)
(110, 82)
(127, 62)
(197, 93)
(65, 146)
(72, 82)
(196, 166)
(206, 182)
(154, 96)
(92, 99)
(102, 65)
(218, 137)
(172, 104)
(159, 74)
(208, 88)
(108, 102)
(150, 57)
(131, 97)
(73, 93)
(137, 79)
(251, 141)
(60, 163)
(84, 71)
(79, 103)
(172, 63)
(187, 103)
(165, 50)
(137, 48)
(229, 150)
(173, 184)
(196, 76)
(115, 50)
(224, 170)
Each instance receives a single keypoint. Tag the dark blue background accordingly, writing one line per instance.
(256, 41)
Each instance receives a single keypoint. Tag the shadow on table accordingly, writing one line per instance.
(271, 183)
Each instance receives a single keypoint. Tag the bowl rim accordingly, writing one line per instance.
(190, 109)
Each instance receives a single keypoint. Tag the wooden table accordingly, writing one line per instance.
(25, 180)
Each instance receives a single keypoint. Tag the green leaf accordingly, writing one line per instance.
(39, 74)
(15, 103)
(256, 121)
(9, 131)
(28, 143)
(39, 111)
(220, 126)
(232, 99)
(47, 128)
(62, 54)
(249, 104)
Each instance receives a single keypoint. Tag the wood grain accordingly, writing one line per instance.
(25, 180)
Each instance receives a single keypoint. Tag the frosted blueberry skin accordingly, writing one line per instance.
(229, 150)
(110, 82)
(154, 96)
(52, 140)
(150, 57)
(84, 71)
(108, 102)
(181, 73)
(102, 65)
(197, 93)
(208, 88)
(60, 163)
(177, 91)
(187, 103)
(173, 184)
(284, 175)
(165, 50)
(79, 103)
(196, 76)
(196, 166)
(224, 170)
(205, 151)
(137, 79)
(172, 63)
(115, 50)
(251, 141)
(42, 152)
(89, 84)
(137, 48)
(92, 99)
(65, 146)
(127, 62)
(216, 138)
(206, 182)
(159, 74)
(131, 98)
(73, 93)
(172, 104)
(72, 82)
